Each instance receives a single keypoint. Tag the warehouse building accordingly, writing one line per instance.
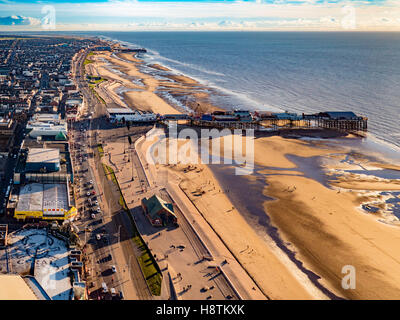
(43, 160)
(44, 201)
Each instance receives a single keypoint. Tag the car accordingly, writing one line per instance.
(91, 182)
(121, 295)
(93, 216)
(104, 287)
(98, 236)
(113, 292)
(113, 269)
(93, 192)
(98, 210)
(88, 194)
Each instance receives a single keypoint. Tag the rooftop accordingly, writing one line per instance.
(47, 197)
(14, 287)
(155, 204)
(120, 110)
(43, 255)
(43, 155)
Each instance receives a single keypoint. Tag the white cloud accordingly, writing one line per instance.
(257, 15)
(18, 21)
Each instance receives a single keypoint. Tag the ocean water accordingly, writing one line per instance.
(293, 71)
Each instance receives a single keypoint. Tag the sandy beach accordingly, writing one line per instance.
(167, 94)
(311, 208)
(308, 229)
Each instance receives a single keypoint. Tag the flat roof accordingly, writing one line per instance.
(14, 287)
(45, 116)
(51, 256)
(43, 155)
(50, 198)
(120, 110)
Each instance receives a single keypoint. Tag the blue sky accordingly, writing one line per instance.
(380, 15)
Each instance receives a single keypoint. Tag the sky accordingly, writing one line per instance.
(200, 15)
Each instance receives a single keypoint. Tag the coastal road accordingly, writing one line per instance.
(115, 222)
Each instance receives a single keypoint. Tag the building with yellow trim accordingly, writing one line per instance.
(44, 201)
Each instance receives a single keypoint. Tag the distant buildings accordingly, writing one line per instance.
(37, 101)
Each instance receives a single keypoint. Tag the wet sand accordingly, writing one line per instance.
(296, 222)
(289, 220)
(149, 87)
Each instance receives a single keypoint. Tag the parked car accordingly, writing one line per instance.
(98, 237)
(113, 269)
(104, 287)
(93, 216)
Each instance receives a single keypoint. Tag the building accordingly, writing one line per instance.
(46, 117)
(57, 131)
(121, 114)
(3, 235)
(339, 115)
(44, 201)
(159, 212)
(7, 134)
(43, 160)
(243, 115)
(50, 276)
(15, 287)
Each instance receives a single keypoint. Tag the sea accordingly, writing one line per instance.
(288, 71)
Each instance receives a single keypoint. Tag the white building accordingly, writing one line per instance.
(118, 114)
(49, 128)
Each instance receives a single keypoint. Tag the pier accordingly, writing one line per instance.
(344, 121)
